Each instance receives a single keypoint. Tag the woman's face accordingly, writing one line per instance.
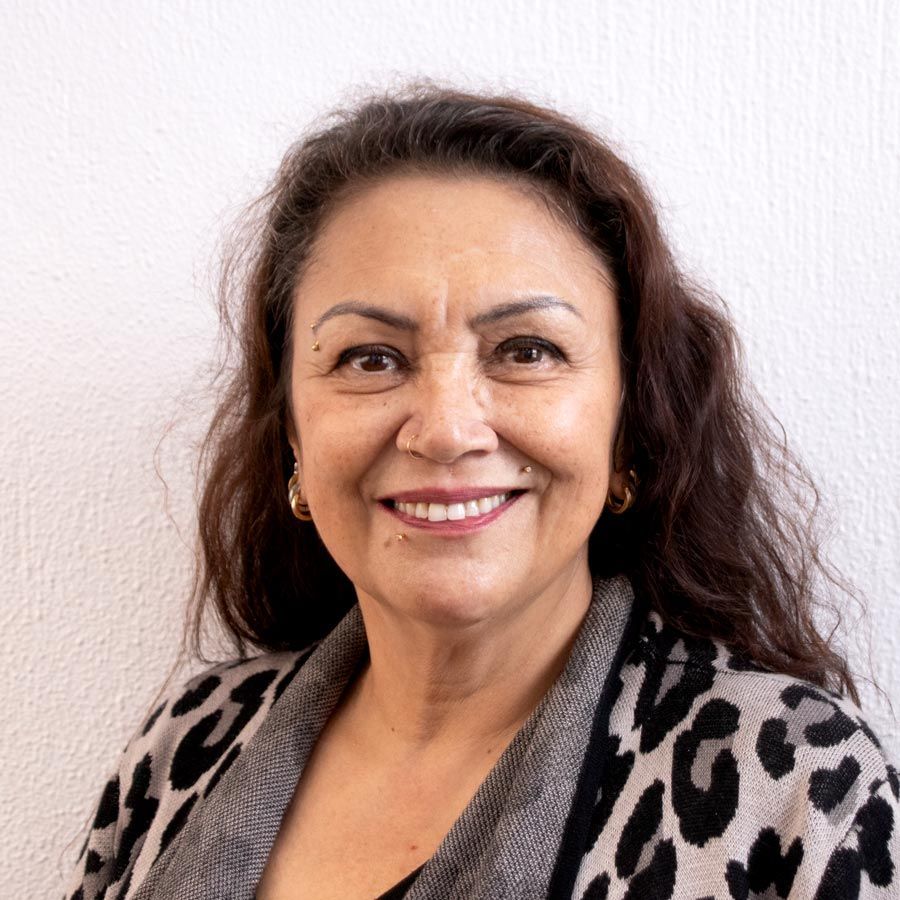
(460, 317)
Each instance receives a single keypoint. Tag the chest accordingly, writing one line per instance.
(354, 831)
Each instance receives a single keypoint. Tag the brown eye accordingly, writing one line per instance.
(527, 355)
(371, 360)
(374, 362)
(529, 351)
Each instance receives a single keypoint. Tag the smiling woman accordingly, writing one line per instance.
(486, 490)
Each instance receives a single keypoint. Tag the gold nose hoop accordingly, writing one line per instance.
(410, 450)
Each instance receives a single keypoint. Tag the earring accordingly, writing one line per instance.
(617, 506)
(299, 507)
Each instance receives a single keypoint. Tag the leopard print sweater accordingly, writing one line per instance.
(706, 778)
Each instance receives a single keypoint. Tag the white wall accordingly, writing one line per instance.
(131, 131)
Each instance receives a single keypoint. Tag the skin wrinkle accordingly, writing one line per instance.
(395, 320)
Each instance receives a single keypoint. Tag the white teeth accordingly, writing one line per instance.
(437, 512)
(454, 512)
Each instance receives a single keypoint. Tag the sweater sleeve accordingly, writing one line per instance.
(96, 862)
(121, 818)
(171, 766)
(864, 863)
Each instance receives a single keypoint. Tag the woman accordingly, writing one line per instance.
(533, 622)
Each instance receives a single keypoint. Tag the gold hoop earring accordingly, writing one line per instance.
(299, 506)
(617, 506)
(410, 450)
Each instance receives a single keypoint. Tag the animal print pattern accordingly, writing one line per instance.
(724, 781)
(175, 761)
(719, 781)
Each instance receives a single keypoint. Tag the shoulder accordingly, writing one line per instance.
(200, 723)
(673, 684)
(753, 778)
(173, 762)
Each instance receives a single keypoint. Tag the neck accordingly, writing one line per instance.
(438, 689)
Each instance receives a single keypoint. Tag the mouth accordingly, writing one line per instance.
(460, 511)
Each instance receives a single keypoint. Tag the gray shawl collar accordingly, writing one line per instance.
(505, 843)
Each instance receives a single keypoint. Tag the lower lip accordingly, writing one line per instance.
(447, 527)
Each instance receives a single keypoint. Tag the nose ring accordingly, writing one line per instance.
(410, 450)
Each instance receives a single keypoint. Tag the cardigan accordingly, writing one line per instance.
(658, 765)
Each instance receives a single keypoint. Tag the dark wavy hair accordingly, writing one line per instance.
(721, 540)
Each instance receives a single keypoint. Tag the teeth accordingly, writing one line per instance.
(454, 512)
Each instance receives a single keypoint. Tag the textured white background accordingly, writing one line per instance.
(132, 131)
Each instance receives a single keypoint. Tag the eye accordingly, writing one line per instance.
(371, 359)
(529, 351)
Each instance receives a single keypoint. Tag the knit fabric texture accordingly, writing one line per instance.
(657, 765)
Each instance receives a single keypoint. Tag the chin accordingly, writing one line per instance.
(458, 606)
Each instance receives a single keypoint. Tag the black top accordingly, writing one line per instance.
(398, 891)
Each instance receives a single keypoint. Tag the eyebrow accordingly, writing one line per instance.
(405, 323)
(519, 307)
(368, 311)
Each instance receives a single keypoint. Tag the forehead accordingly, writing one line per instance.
(465, 236)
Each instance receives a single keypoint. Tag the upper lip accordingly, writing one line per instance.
(447, 495)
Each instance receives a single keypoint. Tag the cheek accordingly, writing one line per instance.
(570, 432)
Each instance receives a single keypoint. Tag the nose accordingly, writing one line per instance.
(449, 411)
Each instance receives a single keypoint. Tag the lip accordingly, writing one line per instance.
(448, 527)
(448, 495)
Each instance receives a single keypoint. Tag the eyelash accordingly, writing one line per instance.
(512, 344)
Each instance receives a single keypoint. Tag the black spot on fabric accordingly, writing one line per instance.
(828, 787)
(842, 877)
(108, 807)
(864, 727)
(893, 781)
(873, 824)
(657, 717)
(93, 863)
(78, 895)
(143, 808)
(876, 822)
(705, 813)
(193, 756)
(775, 752)
(641, 826)
(740, 662)
(766, 867)
(616, 770)
(196, 696)
(616, 685)
(176, 823)
(598, 889)
(736, 879)
(152, 720)
(829, 732)
(289, 676)
(657, 880)
(230, 757)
